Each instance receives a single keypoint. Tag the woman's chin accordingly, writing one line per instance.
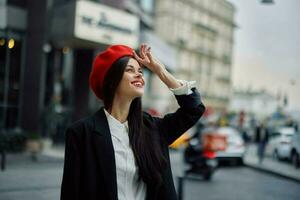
(138, 93)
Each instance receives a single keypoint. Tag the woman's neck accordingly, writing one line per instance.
(120, 109)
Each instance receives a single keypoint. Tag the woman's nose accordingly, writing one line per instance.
(138, 74)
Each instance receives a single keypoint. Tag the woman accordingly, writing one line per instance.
(121, 152)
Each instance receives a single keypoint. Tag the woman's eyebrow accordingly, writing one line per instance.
(131, 66)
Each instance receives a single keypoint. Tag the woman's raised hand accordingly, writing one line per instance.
(147, 59)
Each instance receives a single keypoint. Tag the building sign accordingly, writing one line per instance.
(98, 23)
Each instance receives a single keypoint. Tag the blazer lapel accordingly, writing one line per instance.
(105, 153)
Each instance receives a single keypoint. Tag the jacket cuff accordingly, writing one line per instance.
(185, 88)
(192, 100)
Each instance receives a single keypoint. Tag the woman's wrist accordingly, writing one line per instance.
(160, 71)
(168, 78)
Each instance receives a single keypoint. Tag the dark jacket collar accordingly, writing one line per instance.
(100, 123)
(105, 152)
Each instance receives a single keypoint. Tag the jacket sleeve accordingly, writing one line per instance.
(71, 172)
(172, 125)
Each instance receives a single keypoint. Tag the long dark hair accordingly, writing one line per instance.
(146, 148)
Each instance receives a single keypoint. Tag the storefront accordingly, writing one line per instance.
(12, 47)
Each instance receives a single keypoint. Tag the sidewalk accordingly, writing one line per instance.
(55, 152)
(26, 179)
(269, 165)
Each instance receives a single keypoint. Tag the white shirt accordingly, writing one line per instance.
(126, 169)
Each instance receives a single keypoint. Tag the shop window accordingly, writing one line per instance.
(10, 68)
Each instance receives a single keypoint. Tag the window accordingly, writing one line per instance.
(147, 5)
(10, 68)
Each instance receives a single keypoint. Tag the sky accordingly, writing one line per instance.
(266, 53)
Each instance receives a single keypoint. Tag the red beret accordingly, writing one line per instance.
(102, 63)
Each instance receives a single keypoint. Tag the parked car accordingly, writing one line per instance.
(235, 149)
(279, 145)
(295, 150)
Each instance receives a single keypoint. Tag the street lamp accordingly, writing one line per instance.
(267, 1)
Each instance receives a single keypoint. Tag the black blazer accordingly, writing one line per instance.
(89, 167)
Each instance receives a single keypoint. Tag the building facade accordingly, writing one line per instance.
(202, 33)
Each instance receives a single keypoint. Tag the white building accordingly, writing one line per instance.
(202, 33)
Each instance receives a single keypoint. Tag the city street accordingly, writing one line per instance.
(241, 183)
(236, 182)
(26, 180)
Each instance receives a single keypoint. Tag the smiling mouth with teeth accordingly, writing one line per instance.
(137, 84)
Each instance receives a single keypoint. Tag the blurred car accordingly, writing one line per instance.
(235, 148)
(279, 145)
(295, 150)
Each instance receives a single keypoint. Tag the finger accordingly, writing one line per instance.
(147, 47)
(149, 55)
(137, 57)
(135, 54)
(143, 53)
(142, 47)
(142, 61)
(147, 50)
